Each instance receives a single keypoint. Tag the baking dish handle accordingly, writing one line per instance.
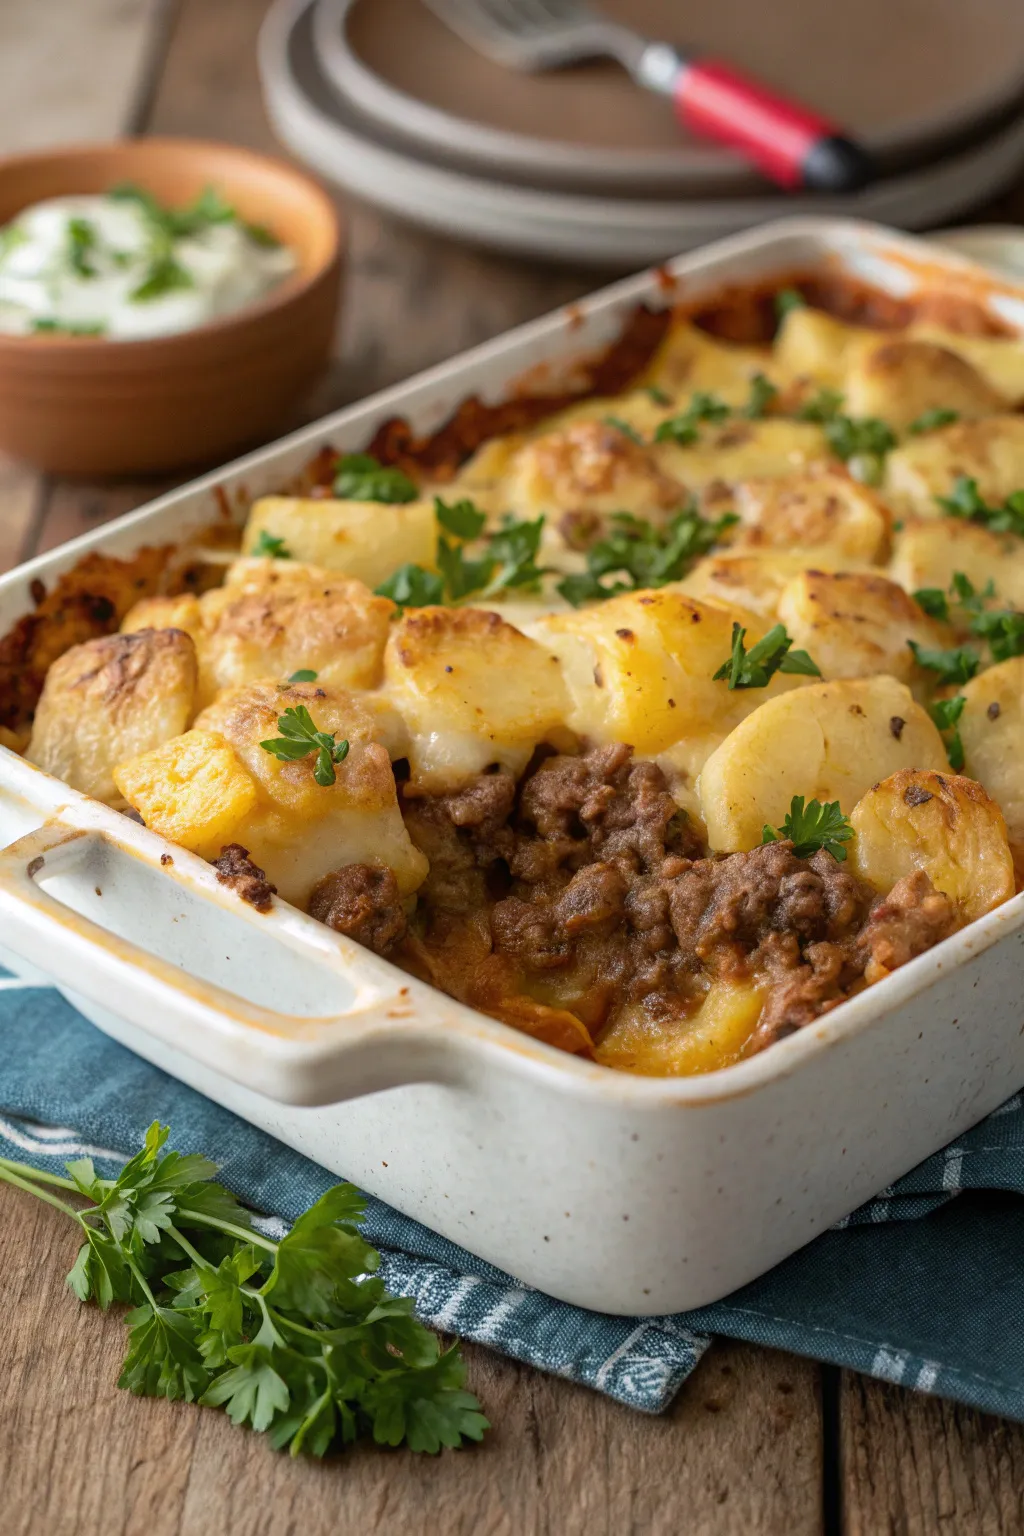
(376, 1041)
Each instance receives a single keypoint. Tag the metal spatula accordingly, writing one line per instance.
(794, 147)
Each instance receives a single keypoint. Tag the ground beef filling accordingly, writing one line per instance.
(362, 901)
(235, 868)
(556, 903)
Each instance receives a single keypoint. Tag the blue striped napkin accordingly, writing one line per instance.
(915, 1287)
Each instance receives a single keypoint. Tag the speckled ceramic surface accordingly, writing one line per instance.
(625, 1194)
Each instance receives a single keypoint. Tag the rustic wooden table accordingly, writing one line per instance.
(756, 1442)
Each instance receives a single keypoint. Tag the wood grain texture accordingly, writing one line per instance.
(914, 1465)
(740, 1450)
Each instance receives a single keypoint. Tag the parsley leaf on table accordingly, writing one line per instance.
(756, 668)
(299, 737)
(812, 827)
(297, 1338)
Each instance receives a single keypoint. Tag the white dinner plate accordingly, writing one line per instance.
(601, 231)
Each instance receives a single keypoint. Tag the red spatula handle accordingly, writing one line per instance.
(791, 145)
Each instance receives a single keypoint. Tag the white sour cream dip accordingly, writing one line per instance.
(122, 266)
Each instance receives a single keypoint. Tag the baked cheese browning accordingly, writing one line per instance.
(822, 510)
(857, 624)
(941, 824)
(742, 450)
(901, 380)
(275, 617)
(750, 579)
(353, 538)
(590, 467)
(923, 468)
(998, 359)
(293, 827)
(826, 741)
(473, 692)
(109, 699)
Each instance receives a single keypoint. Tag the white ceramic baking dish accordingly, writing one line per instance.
(627, 1194)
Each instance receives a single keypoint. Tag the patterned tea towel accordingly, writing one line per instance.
(915, 1287)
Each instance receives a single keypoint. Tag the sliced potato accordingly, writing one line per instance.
(941, 823)
(999, 359)
(743, 450)
(472, 691)
(990, 451)
(828, 741)
(992, 732)
(929, 551)
(109, 699)
(812, 345)
(192, 790)
(689, 360)
(857, 623)
(899, 379)
(589, 467)
(824, 509)
(712, 1037)
(364, 539)
(752, 579)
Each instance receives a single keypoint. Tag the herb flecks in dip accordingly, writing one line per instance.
(123, 266)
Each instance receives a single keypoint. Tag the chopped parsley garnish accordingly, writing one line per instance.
(812, 827)
(299, 737)
(164, 275)
(81, 247)
(931, 421)
(514, 549)
(268, 544)
(934, 602)
(640, 554)
(762, 393)
(821, 407)
(361, 477)
(756, 668)
(47, 327)
(209, 208)
(304, 675)
(946, 714)
(684, 428)
(958, 665)
(965, 501)
(461, 518)
(296, 1337)
(849, 436)
(787, 299)
(1003, 630)
(413, 587)
(624, 427)
(658, 395)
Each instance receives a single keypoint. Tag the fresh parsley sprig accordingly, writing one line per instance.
(299, 737)
(638, 554)
(932, 420)
(361, 477)
(625, 428)
(297, 1338)
(862, 442)
(269, 544)
(684, 428)
(946, 715)
(811, 828)
(821, 407)
(756, 668)
(965, 501)
(507, 562)
(957, 665)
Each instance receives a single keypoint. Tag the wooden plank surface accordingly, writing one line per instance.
(743, 1449)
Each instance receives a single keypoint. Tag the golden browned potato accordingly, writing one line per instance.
(712, 1037)
(812, 345)
(941, 823)
(857, 623)
(109, 699)
(899, 379)
(688, 360)
(992, 732)
(929, 551)
(752, 579)
(589, 467)
(364, 539)
(472, 690)
(217, 785)
(741, 450)
(275, 617)
(827, 741)
(999, 359)
(990, 451)
(823, 509)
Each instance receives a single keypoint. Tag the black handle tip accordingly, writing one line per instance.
(836, 164)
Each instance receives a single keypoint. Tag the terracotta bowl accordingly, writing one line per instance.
(85, 405)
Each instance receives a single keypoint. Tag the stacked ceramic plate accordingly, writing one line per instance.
(580, 164)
